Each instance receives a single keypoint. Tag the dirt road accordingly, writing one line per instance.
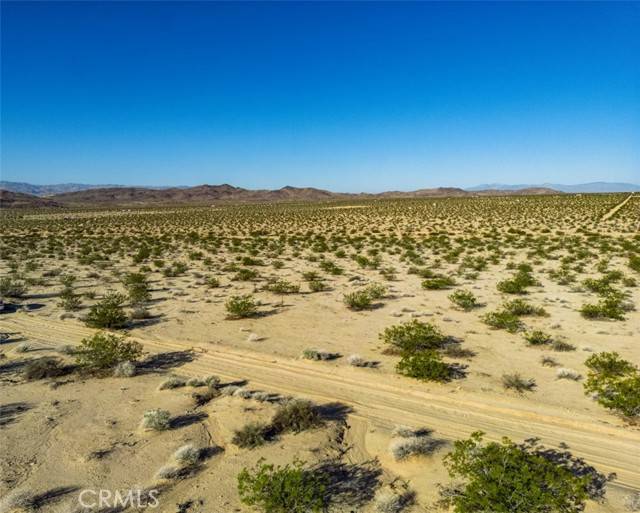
(615, 209)
(386, 400)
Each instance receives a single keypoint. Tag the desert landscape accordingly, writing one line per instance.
(193, 353)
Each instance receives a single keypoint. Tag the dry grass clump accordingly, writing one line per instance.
(318, 354)
(252, 435)
(187, 455)
(407, 442)
(565, 373)
(296, 415)
(518, 383)
(43, 368)
(389, 500)
(126, 369)
(156, 420)
(172, 382)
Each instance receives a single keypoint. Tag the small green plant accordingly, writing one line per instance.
(520, 307)
(104, 351)
(424, 365)
(108, 313)
(503, 320)
(439, 282)
(317, 286)
(538, 338)
(137, 286)
(358, 300)
(464, 299)
(282, 489)
(609, 307)
(413, 336)
(240, 307)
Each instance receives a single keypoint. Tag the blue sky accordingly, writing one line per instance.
(344, 96)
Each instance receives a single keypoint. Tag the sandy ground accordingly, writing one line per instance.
(85, 433)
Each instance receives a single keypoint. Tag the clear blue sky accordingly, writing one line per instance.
(349, 97)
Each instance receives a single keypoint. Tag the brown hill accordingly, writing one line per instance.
(225, 193)
(10, 199)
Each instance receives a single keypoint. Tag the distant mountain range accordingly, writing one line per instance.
(59, 188)
(94, 195)
(581, 187)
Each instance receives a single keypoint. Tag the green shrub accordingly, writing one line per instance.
(438, 283)
(317, 286)
(296, 416)
(137, 286)
(538, 338)
(240, 307)
(252, 435)
(521, 307)
(519, 283)
(503, 320)
(212, 282)
(282, 287)
(107, 313)
(424, 365)
(464, 299)
(104, 351)
(245, 274)
(610, 307)
(615, 382)
(69, 300)
(503, 477)
(413, 336)
(43, 368)
(358, 300)
(282, 489)
(11, 287)
(634, 262)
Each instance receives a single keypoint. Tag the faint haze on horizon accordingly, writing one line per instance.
(347, 97)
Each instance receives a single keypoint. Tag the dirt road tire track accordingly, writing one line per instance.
(386, 400)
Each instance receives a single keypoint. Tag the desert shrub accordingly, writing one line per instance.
(438, 283)
(519, 283)
(296, 415)
(104, 351)
(358, 300)
(69, 300)
(405, 447)
(168, 472)
(561, 346)
(126, 369)
(508, 478)
(172, 382)
(282, 489)
(424, 365)
(212, 282)
(282, 287)
(156, 420)
(187, 455)
(517, 383)
(609, 307)
(503, 320)
(202, 398)
(464, 299)
(107, 313)
(376, 291)
(548, 361)
(393, 501)
(538, 338)
(521, 307)
(137, 286)
(12, 287)
(252, 435)
(634, 263)
(317, 286)
(571, 374)
(318, 355)
(245, 274)
(615, 383)
(357, 361)
(43, 368)
(413, 336)
(240, 307)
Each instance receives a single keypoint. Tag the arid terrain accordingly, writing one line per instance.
(408, 323)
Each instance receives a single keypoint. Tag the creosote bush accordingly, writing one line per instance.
(615, 382)
(104, 351)
(240, 307)
(464, 299)
(156, 420)
(413, 336)
(295, 416)
(252, 435)
(282, 489)
(426, 365)
(508, 478)
(108, 313)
